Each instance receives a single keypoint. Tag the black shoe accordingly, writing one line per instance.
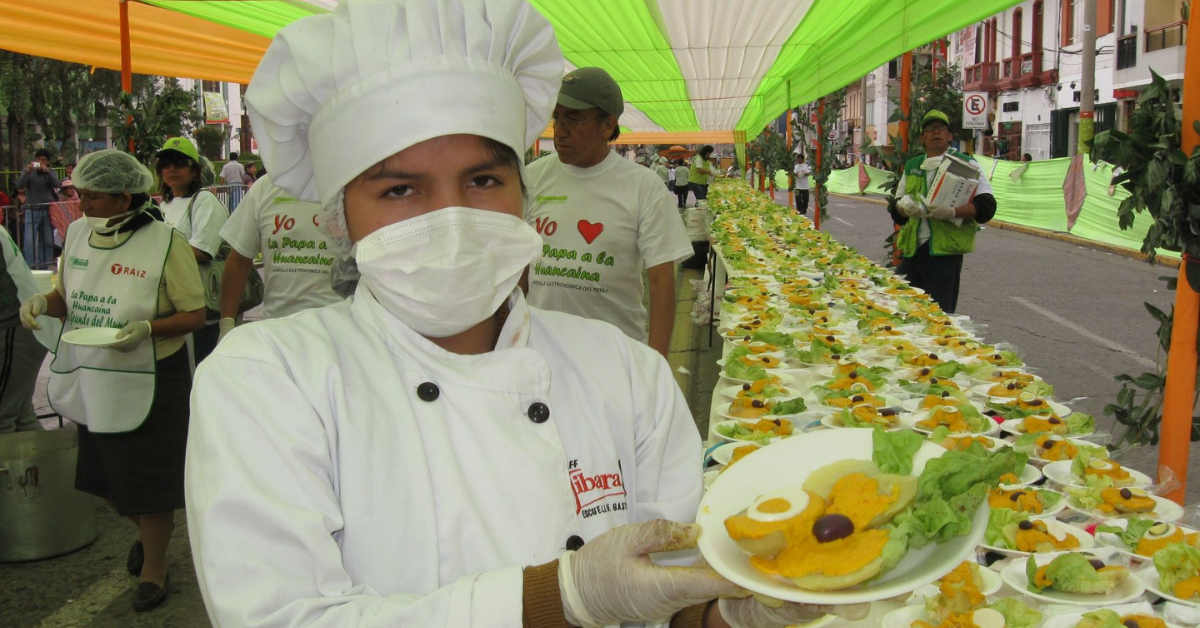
(137, 556)
(149, 596)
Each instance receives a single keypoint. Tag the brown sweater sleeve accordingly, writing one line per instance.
(541, 603)
(690, 617)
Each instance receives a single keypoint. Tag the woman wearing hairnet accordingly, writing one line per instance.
(123, 267)
(433, 451)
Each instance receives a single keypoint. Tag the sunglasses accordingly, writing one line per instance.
(174, 162)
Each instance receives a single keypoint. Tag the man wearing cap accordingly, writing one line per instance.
(602, 220)
(933, 240)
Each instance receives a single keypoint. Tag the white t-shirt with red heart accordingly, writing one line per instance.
(600, 227)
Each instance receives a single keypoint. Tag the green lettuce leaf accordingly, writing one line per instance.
(1089, 496)
(736, 370)
(893, 452)
(1040, 388)
(1103, 618)
(1002, 527)
(1050, 499)
(777, 338)
(1131, 534)
(1016, 613)
(1073, 573)
(791, 406)
(737, 431)
(1175, 563)
(739, 351)
(939, 434)
(1080, 423)
(947, 369)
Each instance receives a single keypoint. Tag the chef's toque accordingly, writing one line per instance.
(338, 93)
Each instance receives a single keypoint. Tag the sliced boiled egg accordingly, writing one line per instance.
(848, 360)
(1160, 530)
(1056, 530)
(859, 387)
(1100, 465)
(987, 618)
(778, 505)
(1027, 397)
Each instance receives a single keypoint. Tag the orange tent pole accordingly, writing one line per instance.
(126, 64)
(1180, 390)
(906, 111)
(820, 144)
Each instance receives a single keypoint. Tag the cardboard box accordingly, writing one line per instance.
(954, 183)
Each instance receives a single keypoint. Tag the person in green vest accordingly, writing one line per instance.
(699, 172)
(932, 240)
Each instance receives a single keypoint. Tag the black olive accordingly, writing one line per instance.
(830, 338)
(853, 375)
(1126, 493)
(1017, 495)
(766, 360)
(1054, 421)
(757, 403)
(924, 371)
(887, 328)
(747, 338)
(857, 398)
(1035, 402)
(887, 412)
(778, 423)
(1025, 525)
(1012, 385)
(835, 357)
(1048, 445)
(1096, 563)
(746, 387)
(945, 394)
(933, 355)
(832, 527)
(1130, 623)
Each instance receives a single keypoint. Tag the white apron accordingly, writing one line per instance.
(108, 391)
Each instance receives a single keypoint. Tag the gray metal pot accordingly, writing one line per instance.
(41, 513)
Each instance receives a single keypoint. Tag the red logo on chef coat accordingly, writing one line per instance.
(590, 489)
(118, 269)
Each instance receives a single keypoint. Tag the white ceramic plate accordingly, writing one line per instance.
(1128, 590)
(914, 404)
(91, 336)
(1070, 620)
(1086, 541)
(1166, 510)
(1108, 539)
(995, 444)
(1046, 512)
(904, 616)
(724, 453)
(1060, 472)
(732, 392)
(830, 419)
(991, 585)
(1016, 426)
(1074, 441)
(778, 366)
(795, 429)
(1029, 475)
(784, 378)
(990, 426)
(723, 410)
(787, 464)
(1149, 578)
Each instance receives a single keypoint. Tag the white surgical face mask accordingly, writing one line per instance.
(931, 163)
(446, 271)
(101, 225)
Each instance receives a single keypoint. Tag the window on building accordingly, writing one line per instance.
(1017, 26)
(1068, 22)
(1010, 107)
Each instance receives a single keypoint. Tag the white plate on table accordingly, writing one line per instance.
(1046, 512)
(784, 378)
(808, 414)
(1108, 539)
(1016, 426)
(991, 585)
(832, 420)
(787, 464)
(995, 444)
(1070, 620)
(724, 453)
(1131, 588)
(1029, 475)
(787, 393)
(1060, 472)
(990, 426)
(91, 336)
(778, 364)
(796, 427)
(914, 405)
(1149, 578)
(1086, 541)
(1074, 441)
(1165, 510)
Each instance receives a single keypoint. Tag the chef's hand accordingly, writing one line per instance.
(227, 324)
(910, 206)
(32, 308)
(611, 579)
(942, 213)
(131, 336)
(764, 612)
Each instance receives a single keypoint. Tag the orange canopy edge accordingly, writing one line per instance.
(163, 43)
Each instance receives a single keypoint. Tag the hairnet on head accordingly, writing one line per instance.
(338, 93)
(112, 171)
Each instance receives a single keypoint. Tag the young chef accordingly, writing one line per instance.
(432, 451)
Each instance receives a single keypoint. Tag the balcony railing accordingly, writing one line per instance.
(981, 77)
(1167, 36)
(1024, 71)
(1127, 52)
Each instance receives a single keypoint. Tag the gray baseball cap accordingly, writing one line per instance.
(585, 88)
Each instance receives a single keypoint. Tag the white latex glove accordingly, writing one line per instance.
(131, 336)
(764, 612)
(910, 206)
(611, 579)
(942, 213)
(226, 325)
(32, 308)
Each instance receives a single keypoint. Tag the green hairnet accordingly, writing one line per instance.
(113, 172)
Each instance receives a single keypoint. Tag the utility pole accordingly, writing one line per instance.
(1087, 84)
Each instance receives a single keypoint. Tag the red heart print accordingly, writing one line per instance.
(590, 231)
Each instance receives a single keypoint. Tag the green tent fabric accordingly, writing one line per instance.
(683, 65)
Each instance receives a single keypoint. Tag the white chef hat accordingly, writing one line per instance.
(337, 93)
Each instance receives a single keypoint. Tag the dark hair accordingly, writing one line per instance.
(1026, 157)
(616, 129)
(43, 152)
(233, 156)
(193, 187)
(706, 150)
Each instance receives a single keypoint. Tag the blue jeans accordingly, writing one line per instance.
(39, 238)
(700, 190)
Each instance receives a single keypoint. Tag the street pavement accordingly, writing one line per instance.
(1073, 313)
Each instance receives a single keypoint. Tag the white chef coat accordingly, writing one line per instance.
(327, 486)
(203, 229)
